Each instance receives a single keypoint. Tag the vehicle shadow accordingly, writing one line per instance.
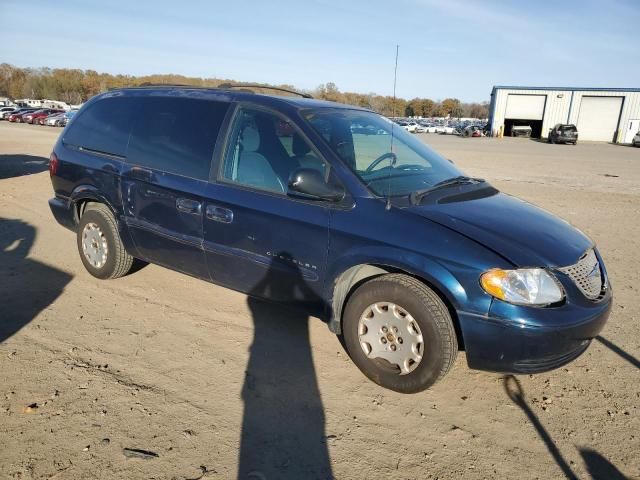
(17, 165)
(599, 467)
(26, 286)
(616, 349)
(283, 426)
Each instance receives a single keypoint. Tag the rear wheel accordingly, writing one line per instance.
(99, 244)
(399, 333)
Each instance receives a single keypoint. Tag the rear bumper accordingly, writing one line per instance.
(514, 339)
(63, 212)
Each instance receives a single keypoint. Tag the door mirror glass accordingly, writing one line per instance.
(310, 183)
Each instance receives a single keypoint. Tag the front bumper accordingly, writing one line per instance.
(518, 339)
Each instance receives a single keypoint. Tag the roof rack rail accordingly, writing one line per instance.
(222, 86)
(255, 85)
(151, 84)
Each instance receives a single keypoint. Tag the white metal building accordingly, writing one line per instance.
(601, 114)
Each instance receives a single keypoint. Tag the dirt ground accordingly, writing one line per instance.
(157, 361)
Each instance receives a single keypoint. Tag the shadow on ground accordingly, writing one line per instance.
(599, 467)
(283, 427)
(18, 165)
(619, 351)
(26, 286)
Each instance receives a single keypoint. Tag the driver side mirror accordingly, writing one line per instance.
(310, 183)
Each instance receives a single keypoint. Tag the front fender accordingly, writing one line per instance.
(456, 282)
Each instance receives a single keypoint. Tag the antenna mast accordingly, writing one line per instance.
(393, 160)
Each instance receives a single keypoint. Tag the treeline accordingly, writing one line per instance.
(75, 86)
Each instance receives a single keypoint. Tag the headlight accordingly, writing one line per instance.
(530, 286)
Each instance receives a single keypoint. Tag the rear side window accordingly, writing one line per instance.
(176, 135)
(103, 127)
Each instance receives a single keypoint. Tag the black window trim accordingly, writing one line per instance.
(347, 201)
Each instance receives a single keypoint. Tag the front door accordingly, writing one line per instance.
(633, 127)
(168, 162)
(256, 238)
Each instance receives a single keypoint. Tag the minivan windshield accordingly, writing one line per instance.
(387, 164)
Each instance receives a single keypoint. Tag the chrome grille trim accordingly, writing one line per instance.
(587, 275)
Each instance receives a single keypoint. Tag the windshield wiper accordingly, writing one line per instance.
(416, 196)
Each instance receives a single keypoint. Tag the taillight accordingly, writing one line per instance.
(53, 164)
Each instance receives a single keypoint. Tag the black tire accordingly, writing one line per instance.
(118, 262)
(440, 344)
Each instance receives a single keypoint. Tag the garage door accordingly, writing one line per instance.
(526, 107)
(598, 118)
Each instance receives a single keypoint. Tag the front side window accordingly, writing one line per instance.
(264, 150)
(176, 135)
(387, 159)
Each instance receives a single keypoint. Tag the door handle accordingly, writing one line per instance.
(139, 173)
(219, 214)
(187, 205)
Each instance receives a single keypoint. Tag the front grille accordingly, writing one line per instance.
(587, 275)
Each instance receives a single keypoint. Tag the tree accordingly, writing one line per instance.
(76, 86)
(451, 107)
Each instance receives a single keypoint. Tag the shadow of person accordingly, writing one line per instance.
(16, 165)
(26, 286)
(283, 425)
(599, 467)
(514, 390)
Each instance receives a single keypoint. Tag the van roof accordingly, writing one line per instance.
(236, 95)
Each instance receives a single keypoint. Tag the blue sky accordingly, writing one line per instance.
(447, 47)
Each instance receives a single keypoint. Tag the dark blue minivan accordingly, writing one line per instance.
(335, 209)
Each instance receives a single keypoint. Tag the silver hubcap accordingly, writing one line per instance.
(387, 331)
(94, 245)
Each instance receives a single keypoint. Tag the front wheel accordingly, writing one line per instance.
(399, 333)
(101, 250)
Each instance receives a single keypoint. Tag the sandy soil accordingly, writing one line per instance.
(157, 361)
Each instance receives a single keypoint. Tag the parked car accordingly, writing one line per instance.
(54, 120)
(403, 255)
(66, 118)
(429, 128)
(446, 130)
(16, 116)
(32, 117)
(411, 127)
(5, 111)
(521, 131)
(471, 131)
(635, 141)
(563, 133)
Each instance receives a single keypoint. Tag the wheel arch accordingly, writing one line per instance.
(355, 275)
(83, 196)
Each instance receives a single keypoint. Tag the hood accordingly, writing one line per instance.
(522, 233)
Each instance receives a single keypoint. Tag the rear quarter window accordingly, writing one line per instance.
(103, 127)
(176, 135)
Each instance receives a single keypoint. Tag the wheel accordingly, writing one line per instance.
(99, 244)
(399, 333)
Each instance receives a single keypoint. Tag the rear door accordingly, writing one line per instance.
(168, 162)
